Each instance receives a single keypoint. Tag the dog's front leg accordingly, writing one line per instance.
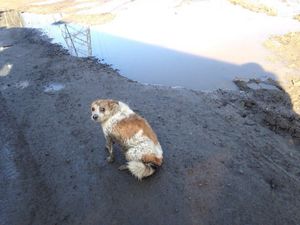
(109, 147)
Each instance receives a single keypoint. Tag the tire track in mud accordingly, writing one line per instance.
(25, 196)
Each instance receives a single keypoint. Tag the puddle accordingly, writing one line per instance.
(53, 87)
(202, 47)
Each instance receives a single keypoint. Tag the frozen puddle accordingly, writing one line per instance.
(22, 84)
(5, 70)
(53, 87)
(203, 45)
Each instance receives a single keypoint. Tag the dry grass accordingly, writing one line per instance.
(90, 19)
(33, 6)
(18, 5)
(286, 48)
(255, 7)
(297, 17)
(70, 9)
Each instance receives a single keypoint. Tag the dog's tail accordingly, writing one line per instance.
(139, 169)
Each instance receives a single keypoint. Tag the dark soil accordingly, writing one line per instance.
(231, 157)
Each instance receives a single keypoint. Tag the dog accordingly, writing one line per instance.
(132, 132)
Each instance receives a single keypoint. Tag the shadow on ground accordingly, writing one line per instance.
(226, 160)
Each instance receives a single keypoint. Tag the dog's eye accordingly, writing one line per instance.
(93, 109)
(102, 109)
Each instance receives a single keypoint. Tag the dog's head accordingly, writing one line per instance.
(103, 109)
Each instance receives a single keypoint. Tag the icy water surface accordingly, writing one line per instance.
(203, 47)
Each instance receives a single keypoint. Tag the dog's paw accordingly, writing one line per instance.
(110, 159)
(123, 167)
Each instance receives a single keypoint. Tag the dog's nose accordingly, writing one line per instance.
(95, 117)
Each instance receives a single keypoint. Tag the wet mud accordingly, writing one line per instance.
(231, 157)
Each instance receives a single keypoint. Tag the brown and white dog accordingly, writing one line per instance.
(132, 132)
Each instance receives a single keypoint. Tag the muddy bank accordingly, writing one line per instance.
(231, 157)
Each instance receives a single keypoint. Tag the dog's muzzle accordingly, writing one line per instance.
(95, 117)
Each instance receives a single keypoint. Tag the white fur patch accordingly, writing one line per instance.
(139, 169)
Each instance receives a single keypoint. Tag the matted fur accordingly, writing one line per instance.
(139, 142)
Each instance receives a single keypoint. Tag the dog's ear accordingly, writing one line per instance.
(112, 104)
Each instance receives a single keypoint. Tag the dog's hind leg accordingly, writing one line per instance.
(109, 147)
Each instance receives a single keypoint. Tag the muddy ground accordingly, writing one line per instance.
(231, 157)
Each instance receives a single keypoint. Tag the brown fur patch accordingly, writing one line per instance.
(152, 158)
(128, 127)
